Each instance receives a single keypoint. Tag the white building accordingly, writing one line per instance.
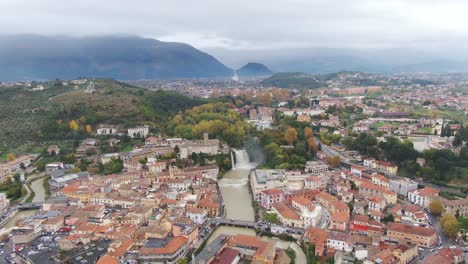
(106, 130)
(403, 186)
(339, 241)
(141, 131)
(197, 215)
(316, 167)
(422, 197)
(266, 179)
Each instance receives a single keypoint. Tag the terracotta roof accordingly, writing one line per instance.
(341, 217)
(274, 191)
(285, 211)
(414, 230)
(192, 210)
(175, 244)
(426, 192)
(107, 260)
(340, 206)
(227, 256)
(302, 201)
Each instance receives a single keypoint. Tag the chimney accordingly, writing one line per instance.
(205, 136)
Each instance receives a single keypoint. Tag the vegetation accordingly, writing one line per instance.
(292, 255)
(449, 225)
(46, 185)
(13, 188)
(436, 207)
(271, 218)
(310, 254)
(442, 166)
(293, 80)
(217, 119)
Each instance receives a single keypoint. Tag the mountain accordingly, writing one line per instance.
(253, 69)
(32, 57)
(293, 80)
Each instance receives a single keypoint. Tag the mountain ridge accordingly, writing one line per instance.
(32, 57)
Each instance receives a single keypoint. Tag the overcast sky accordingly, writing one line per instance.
(238, 26)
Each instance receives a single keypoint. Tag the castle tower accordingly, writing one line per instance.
(205, 136)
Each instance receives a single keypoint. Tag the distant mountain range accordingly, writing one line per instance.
(253, 69)
(33, 57)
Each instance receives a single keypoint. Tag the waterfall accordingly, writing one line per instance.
(241, 160)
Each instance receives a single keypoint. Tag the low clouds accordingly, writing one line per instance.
(244, 25)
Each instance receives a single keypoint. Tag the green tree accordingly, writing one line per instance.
(271, 218)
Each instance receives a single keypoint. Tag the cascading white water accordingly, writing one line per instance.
(242, 160)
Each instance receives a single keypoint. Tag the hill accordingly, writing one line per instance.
(33, 57)
(293, 80)
(253, 69)
(35, 119)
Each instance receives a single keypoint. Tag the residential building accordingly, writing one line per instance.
(286, 215)
(270, 196)
(316, 167)
(403, 186)
(141, 132)
(422, 197)
(167, 250)
(339, 241)
(197, 215)
(422, 236)
(318, 237)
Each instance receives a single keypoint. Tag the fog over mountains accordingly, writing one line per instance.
(32, 57)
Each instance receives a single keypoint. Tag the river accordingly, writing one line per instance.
(39, 192)
(237, 199)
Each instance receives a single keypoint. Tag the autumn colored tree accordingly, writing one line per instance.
(308, 133)
(436, 207)
(264, 98)
(449, 225)
(73, 125)
(291, 135)
(312, 145)
(334, 161)
(11, 156)
(88, 129)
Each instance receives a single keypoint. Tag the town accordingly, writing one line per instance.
(369, 169)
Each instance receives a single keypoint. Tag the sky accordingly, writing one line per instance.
(234, 29)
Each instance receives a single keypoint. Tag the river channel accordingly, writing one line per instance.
(237, 199)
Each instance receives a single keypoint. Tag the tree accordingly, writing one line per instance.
(73, 125)
(388, 218)
(271, 218)
(182, 261)
(334, 161)
(290, 135)
(312, 145)
(88, 129)
(436, 207)
(11, 156)
(308, 133)
(449, 225)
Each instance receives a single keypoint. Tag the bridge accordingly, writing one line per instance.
(251, 224)
(29, 206)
